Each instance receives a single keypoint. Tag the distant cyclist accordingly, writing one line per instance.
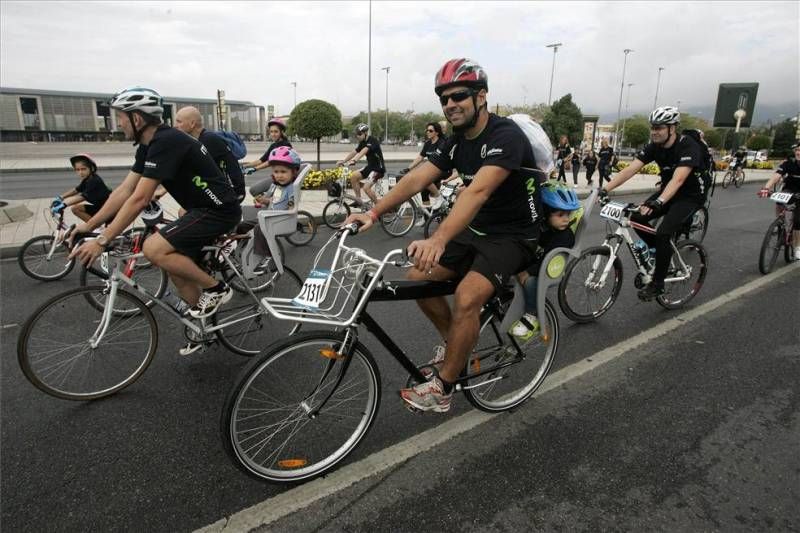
(189, 120)
(489, 236)
(789, 172)
(89, 196)
(684, 175)
(739, 158)
(434, 138)
(183, 165)
(277, 134)
(369, 147)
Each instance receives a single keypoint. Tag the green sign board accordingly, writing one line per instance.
(732, 97)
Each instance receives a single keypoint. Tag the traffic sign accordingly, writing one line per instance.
(731, 98)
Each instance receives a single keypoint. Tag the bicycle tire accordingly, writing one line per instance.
(258, 282)
(788, 248)
(581, 268)
(306, 229)
(694, 255)
(255, 328)
(726, 179)
(48, 369)
(399, 221)
(153, 279)
(510, 386)
(334, 213)
(32, 257)
(769, 249)
(433, 223)
(279, 389)
(739, 179)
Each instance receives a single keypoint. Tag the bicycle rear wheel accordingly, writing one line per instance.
(583, 294)
(739, 179)
(433, 223)
(771, 246)
(334, 213)
(292, 415)
(697, 226)
(509, 386)
(678, 293)
(399, 221)
(306, 229)
(55, 353)
(34, 261)
(251, 327)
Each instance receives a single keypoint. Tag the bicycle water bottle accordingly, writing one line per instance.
(642, 251)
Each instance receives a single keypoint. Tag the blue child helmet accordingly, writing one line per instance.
(557, 196)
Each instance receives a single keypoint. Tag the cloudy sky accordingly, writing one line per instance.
(254, 50)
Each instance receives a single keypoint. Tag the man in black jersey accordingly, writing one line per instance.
(489, 235)
(369, 147)
(189, 120)
(182, 164)
(684, 174)
(788, 172)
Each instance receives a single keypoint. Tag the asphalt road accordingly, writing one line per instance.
(44, 184)
(696, 430)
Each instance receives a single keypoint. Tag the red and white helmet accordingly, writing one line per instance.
(283, 155)
(277, 121)
(461, 71)
(85, 158)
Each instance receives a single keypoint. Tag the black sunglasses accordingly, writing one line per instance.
(459, 96)
(430, 131)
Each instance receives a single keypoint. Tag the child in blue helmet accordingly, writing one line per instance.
(559, 203)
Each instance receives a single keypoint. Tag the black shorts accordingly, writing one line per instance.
(92, 209)
(372, 173)
(496, 258)
(200, 227)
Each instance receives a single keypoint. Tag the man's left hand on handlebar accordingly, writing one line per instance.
(364, 220)
(425, 254)
(651, 207)
(763, 193)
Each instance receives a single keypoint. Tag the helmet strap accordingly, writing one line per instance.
(136, 133)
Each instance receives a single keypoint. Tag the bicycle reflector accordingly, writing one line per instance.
(330, 353)
(292, 463)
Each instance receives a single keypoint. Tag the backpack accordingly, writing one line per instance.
(542, 149)
(234, 142)
(706, 163)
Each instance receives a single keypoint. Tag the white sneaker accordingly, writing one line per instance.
(797, 253)
(419, 223)
(210, 302)
(521, 331)
(436, 202)
(191, 348)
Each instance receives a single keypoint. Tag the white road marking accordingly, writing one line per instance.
(9, 326)
(303, 496)
(728, 206)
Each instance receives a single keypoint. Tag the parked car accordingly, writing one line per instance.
(344, 141)
(408, 143)
(752, 155)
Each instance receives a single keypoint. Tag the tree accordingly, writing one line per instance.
(784, 138)
(713, 138)
(564, 118)
(315, 119)
(759, 142)
(637, 133)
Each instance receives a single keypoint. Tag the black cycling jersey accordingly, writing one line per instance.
(605, 154)
(790, 170)
(550, 239)
(740, 155)
(563, 151)
(374, 153)
(94, 190)
(684, 152)
(221, 153)
(429, 147)
(280, 142)
(183, 165)
(513, 209)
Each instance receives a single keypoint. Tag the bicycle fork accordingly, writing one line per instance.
(102, 327)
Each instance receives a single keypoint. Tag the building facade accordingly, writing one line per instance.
(52, 116)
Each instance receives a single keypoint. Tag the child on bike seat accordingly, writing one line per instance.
(89, 195)
(559, 204)
(275, 193)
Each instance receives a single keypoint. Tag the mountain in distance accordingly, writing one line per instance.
(763, 113)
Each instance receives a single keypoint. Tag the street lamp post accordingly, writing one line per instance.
(369, 70)
(621, 88)
(386, 132)
(554, 46)
(294, 83)
(658, 84)
(627, 107)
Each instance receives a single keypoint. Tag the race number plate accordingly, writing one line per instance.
(781, 197)
(314, 289)
(613, 211)
(447, 191)
(392, 181)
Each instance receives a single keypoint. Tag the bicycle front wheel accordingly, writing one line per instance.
(334, 213)
(151, 278)
(36, 262)
(771, 246)
(57, 354)
(590, 285)
(510, 385)
(399, 221)
(306, 229)
(739, 179)
(300, 408)
(727, 179)
(248, 327)
(692, 273)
